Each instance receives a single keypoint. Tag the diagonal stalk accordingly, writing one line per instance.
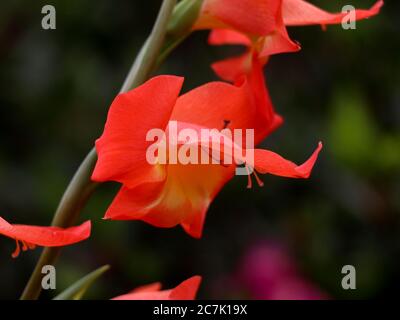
(81, 187)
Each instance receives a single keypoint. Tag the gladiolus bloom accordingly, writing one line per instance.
(32, 236)
(185, 291)
(166, 195)
(256, 24)
(260, 25)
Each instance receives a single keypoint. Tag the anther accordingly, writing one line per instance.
(24, 246)
(17, 250)
(249, 181)
(226, 124)
(259, 181)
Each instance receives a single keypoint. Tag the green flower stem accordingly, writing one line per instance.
(81, 187)
(180, 26)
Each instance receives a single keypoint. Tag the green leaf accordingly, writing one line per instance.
(78, 289)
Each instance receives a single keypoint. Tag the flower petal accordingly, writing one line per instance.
(266, 161)
(182, 199)
(255, 17)
(214, 103)
(231, 69)
(300, 13)
(184, 291)
(267, 120)
(250, 67)
(122, 147)
(134, 203)
(227, 36)
(45, 236)
(156, 286)
(146, 295)
(278, 42)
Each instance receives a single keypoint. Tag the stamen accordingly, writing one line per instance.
(17, 250)
(259, 181)
(31, 245)
(24, 246)
(249, 183)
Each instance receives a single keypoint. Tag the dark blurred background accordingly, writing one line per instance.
(288, 239)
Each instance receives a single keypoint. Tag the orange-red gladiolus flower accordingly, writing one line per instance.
(169, 194)
(185, 291)
(254, 23)
(260, 25)
(32, 236)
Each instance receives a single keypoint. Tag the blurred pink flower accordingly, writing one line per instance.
(268, 272)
